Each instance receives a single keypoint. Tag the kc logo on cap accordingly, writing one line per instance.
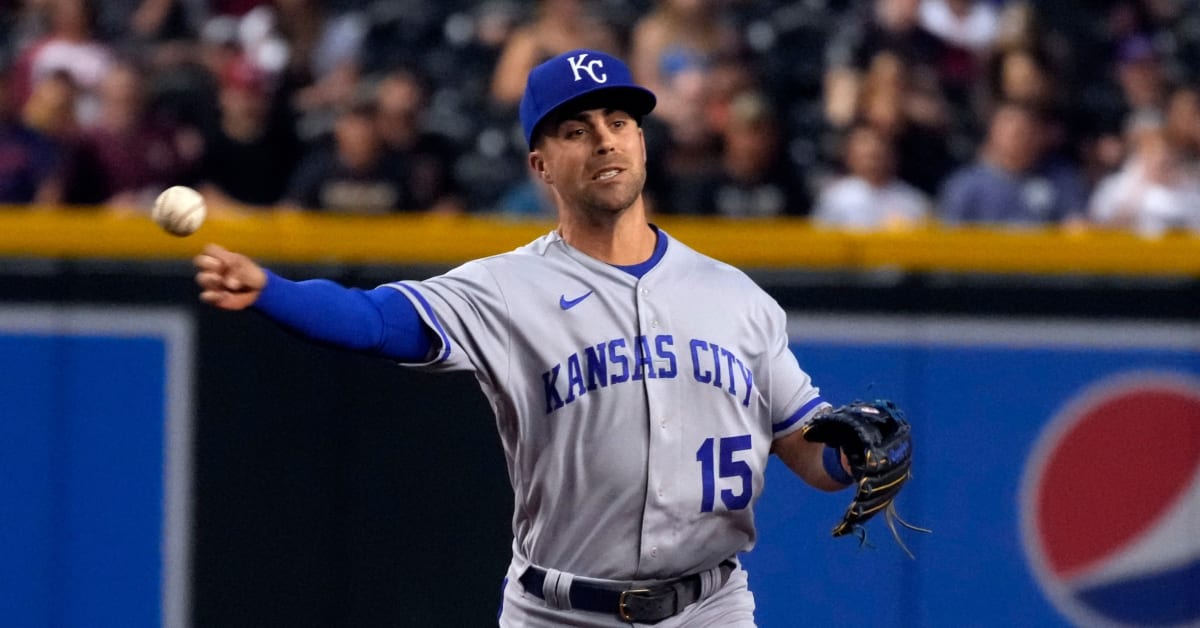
(564, 79)
(577, 64)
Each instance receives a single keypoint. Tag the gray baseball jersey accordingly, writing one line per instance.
(636, 415)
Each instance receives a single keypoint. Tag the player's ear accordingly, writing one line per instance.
(538, 164)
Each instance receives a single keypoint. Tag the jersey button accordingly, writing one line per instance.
(653, 552)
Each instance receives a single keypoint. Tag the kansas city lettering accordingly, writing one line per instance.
(619, 361)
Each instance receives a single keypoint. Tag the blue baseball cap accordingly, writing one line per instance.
(571, 76)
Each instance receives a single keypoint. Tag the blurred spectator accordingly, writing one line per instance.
(128, 156)
(870, 196)
(684, 51)
(30, 162)
(1033, 63)
(557, 27)
(323, 57)
(51, 109)
(901, 67)
(968, 24)
(1020, 74)
(1140, 75)
(673, 49)
(219, 46)
(754, 178)
(1153, 193)
(427, 159)
(1011, 183)
(893, 27)
(728, 78)
(353, 175)
(70, 46)
(968, 28)
(1016, 25)
(132, 22)
(250, 152)
(907, 110)
(686, 163)
(1183, 123)
(1028, 76)
(163, 36)
(1134, 86)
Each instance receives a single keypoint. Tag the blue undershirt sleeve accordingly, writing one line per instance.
(831, 459)
(380, 322)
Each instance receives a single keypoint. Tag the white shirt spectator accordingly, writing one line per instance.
(1150, 208)
(86, 62)
(1154, 192)
(971, 24)
(853, 203)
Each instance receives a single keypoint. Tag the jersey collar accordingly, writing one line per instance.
(660, 248)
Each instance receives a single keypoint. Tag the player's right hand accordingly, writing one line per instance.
(230, 281)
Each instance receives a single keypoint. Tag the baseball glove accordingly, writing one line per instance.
(877, 443)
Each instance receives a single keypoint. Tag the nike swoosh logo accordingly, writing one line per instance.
(566, 305)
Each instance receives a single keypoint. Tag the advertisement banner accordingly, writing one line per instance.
(95, 429)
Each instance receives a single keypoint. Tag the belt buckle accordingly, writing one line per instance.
(621, 605)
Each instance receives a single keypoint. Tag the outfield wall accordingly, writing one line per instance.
(168, 464)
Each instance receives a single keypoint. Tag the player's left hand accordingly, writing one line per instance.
(876, 441)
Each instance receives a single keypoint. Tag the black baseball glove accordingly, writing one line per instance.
(877, 442)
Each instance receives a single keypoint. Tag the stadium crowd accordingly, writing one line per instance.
(864, 115)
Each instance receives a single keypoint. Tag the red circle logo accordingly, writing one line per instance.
(1110, 503)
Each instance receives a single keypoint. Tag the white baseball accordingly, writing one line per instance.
(179, 210)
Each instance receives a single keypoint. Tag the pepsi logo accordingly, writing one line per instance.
(1110, 503)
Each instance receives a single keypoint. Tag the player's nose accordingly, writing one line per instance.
(606, 140)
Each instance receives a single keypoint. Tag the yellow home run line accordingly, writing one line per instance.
(758, 244)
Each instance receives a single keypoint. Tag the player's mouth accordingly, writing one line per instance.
(607, 174)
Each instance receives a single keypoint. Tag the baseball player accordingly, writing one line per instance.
(639, 387)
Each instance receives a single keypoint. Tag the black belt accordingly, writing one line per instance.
(644, 606)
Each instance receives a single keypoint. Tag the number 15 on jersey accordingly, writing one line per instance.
(718, 459)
